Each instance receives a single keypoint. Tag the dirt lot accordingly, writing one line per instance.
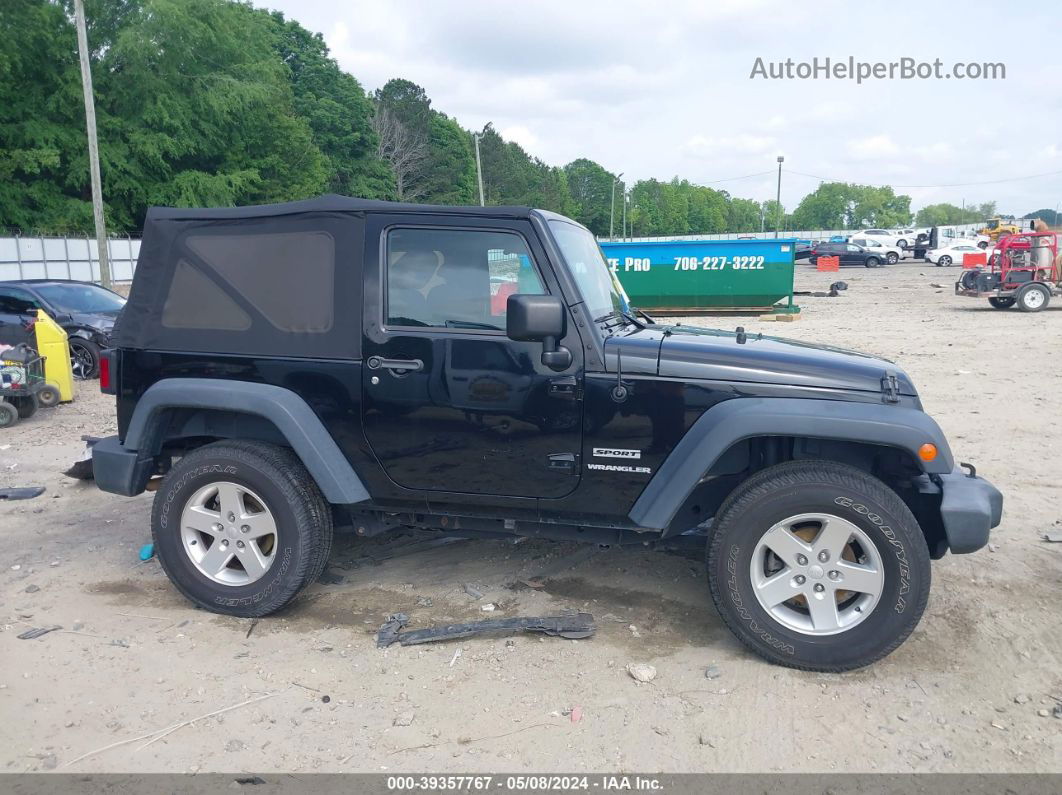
(972, 690)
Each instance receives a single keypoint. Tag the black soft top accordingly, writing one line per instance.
(270, 280)
(330, 203)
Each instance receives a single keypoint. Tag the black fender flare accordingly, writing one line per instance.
(734, 420)
(293, 418)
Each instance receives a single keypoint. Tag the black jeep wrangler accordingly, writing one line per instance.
(331, 363)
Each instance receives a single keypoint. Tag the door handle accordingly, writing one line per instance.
(394, 365)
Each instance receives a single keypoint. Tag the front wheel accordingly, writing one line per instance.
(944, 262)
(818, 566)
(240, 527)
(872, 262)
(892, 258)
(84, 358)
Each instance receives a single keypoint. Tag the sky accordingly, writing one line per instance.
(659, 89)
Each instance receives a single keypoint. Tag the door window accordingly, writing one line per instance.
(17, 302)
(455, 278)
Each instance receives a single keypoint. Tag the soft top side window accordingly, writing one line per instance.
(455, 278)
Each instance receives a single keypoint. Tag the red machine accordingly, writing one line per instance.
(1023, 270)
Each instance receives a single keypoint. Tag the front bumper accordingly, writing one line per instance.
(970, 507)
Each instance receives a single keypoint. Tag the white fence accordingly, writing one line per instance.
(816, 234)
(65, 258)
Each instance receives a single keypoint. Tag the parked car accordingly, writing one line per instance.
(952, 253)
(849, 254)
(268, 406)
(905, 238)
(85, 310)
(892, 254)
(883, 236)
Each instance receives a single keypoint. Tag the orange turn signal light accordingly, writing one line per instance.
(927, 452)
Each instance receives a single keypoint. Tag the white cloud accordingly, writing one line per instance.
(873, 148)
(655, 90)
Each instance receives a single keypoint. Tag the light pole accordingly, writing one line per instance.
(778, 198)
(479, 169)
(612, 208)
(626, 201)
(93, 147)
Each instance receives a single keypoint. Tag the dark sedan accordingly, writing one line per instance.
(848, 254)
(86, 312)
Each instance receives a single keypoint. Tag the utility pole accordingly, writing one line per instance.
(778, 198)
(479, 169)
(612, 208)
(94, 154)
(626, 201)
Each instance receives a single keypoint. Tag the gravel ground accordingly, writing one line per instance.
(978, 686)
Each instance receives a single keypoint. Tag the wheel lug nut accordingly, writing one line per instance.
(800, 579)
(819, 587)
(824, 556)
(232, 517)
(239, 544)
(217, 528)
(245, 528)
(803, 561)
(224, 542)
(834, 575)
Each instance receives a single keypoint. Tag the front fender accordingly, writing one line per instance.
(731, 421)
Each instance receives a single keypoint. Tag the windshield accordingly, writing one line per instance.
(83, 298)
(601, 291)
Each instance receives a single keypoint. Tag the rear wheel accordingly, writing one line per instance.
(84, 358)
(892, 258)
(1001, 303)
(1033, 297)
(944, 261)
(819, 566)
(240, 527)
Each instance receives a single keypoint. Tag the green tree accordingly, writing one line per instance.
(743, 215)
(337, 110)
(511, 176)
(590, 187)
(843, 205)
(945, 214)
(1050, 217)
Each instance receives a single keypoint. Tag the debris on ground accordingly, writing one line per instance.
(574, 626)
(147, 552)
(576, 714)
(641, 672)
(405, 718)
(712, 672)
(36, 632)
(21, 493)
(31, 588)
(473, 591)
(938, 286)
(1053, 536)
(489, 607)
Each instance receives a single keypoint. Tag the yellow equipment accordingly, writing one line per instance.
(52, 345)
(995, 228)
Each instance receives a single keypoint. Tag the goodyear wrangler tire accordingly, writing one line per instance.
(818, 566)
(240, 527)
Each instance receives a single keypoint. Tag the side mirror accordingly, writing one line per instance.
(539, 318)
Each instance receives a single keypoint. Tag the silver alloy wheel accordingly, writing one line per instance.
(817, 574)
(80, 362)
(229, 534)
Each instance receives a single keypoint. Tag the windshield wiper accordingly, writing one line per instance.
(620, 317)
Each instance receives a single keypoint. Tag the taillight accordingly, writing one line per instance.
(107, 385)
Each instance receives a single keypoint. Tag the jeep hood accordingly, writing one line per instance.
(709, 354)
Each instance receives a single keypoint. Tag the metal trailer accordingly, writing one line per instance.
(691, 276)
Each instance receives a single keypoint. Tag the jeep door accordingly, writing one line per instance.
(450, 403)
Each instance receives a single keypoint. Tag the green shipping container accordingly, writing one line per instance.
(687, 276)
